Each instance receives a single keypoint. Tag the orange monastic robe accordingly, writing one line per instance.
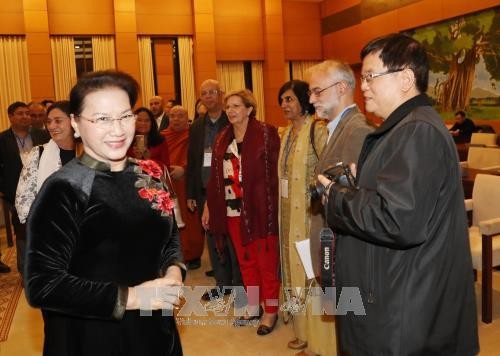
(192, 236)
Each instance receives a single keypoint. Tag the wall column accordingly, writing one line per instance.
(274, 63)
(205, 61)
(126, 46)
(36, 24)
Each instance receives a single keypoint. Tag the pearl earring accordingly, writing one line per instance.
(76, 134)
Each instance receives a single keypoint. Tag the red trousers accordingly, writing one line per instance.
(259, 263)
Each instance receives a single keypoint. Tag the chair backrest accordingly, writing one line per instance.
(487, 139)
(481, 157)
(485, 128)
(486, 198)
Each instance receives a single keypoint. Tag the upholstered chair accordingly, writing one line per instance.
(486, 158)
(484, 234)
(484, 139)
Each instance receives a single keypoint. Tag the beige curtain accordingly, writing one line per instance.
(299, 69)
(14, 75)
(231, 75)
(103, 52)
(258, 88)
(188, 90)
(63, 64)
(146, 68)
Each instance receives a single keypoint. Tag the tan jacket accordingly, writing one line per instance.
(344, 146)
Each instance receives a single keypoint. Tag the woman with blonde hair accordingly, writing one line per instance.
(242, 201)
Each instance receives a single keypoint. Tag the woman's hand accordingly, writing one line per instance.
(205, 217)
(159, 293)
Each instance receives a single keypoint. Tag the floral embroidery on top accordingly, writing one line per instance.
(152, 185)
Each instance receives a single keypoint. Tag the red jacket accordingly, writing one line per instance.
(259, 157)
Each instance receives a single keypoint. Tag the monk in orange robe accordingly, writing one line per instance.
(192, 235)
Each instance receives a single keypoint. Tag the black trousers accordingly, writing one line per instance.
(227, 273)
(20, 232)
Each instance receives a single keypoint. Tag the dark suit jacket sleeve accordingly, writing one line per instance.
(2, 164)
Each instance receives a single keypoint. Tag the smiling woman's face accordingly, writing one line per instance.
(59, 126)
(107, 143)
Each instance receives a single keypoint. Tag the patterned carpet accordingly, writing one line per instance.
(10, 290)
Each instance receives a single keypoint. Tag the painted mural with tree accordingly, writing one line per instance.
(464, 55)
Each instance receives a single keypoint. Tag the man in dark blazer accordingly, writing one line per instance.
(15, 142)
(157, 107)
(202, 135)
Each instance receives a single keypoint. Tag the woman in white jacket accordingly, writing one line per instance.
(44, 160)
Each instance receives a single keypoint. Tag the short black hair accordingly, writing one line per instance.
(14, 106)
(461, 113)
(399, 51)
(300, 89)
(62, 105)
(94, 81)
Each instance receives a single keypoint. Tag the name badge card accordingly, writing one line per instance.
(207, 159)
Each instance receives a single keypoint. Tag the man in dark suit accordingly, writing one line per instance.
(38, 114)
(463, 128)
(202, 135)
(16, 142)
(157, 107)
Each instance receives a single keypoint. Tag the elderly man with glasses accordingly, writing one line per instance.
(331, 92)
(202, 135)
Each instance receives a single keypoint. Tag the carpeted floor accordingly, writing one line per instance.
(10, 290)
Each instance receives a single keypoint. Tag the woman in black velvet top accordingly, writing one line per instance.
(102, 242)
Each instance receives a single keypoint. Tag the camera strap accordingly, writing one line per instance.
(327, 241)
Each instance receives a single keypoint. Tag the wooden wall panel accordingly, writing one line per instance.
(126, 47)
(39, 57)
(238, 30)
(173, 17)
(164, 68)
(81, 17)
(273, 68)
(347, 43)
(332, 6)
(302, 30)
(11, 17)
(205, 62)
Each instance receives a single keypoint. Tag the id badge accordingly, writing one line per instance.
(284, 188)
(207, 159)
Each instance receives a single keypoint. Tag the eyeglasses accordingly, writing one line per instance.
(368, 77)
(317, 92)
(107, 121)
(210, 92)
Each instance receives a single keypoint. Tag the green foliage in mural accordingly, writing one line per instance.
(455, 48)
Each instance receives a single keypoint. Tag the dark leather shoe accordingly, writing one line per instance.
(264, 329)
(4, 268)
(215, 293)
(244, 321)
(193, 264)
(209, 273)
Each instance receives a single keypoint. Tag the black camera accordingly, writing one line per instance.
(339, 173)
